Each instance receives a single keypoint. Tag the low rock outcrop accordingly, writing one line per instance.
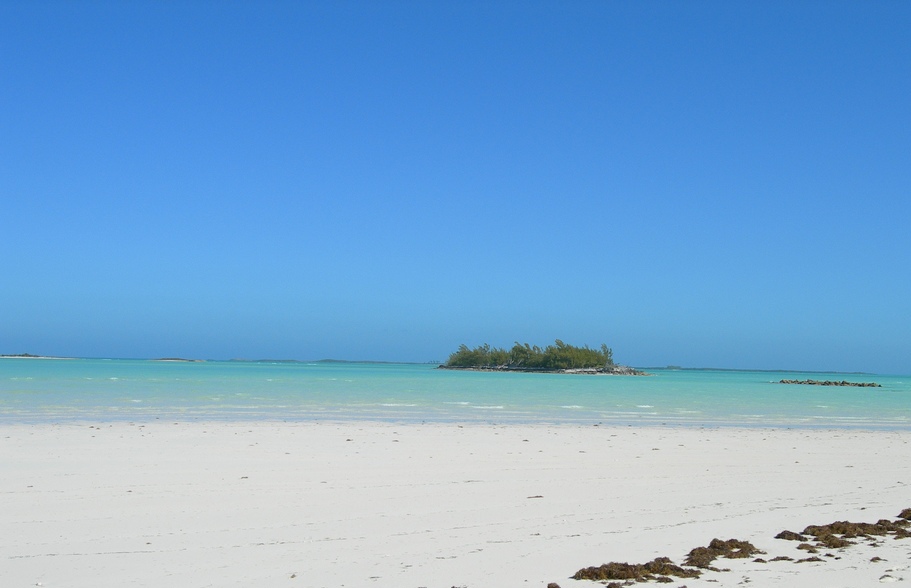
(832, 383)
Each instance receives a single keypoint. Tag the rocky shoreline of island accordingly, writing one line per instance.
(615, 370)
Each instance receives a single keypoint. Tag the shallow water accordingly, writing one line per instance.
(51, 390)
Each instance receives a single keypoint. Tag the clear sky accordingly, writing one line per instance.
(721, 184)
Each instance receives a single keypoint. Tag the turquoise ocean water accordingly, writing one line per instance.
(52, 390)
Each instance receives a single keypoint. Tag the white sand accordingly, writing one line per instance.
(371, 504)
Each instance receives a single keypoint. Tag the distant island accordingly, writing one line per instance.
(29, 356)
(559, 358)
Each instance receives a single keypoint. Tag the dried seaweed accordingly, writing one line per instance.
(835, 535)
(702, 557)
(660, 566)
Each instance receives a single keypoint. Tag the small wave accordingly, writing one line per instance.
(396, 404)
(571, 406)
(486, 407)
(644, 406)
(458, 403)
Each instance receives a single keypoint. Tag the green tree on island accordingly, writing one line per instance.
(558, 356)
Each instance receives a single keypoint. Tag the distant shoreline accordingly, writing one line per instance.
(30, 356)
(367, 361)
(762, 370)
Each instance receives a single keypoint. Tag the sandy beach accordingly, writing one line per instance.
(378, 504)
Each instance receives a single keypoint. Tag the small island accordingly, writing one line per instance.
(558, 358)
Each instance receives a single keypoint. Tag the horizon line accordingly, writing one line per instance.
(176, 359)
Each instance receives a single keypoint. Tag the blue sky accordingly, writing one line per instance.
(695, 183)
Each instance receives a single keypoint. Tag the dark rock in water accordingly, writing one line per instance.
(790, 536)
(832, 383)
(553, 585)
(905, 514)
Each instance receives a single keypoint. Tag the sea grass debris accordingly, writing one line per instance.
(661, 566)
(702, 557)
(837, 535)
(851, 530)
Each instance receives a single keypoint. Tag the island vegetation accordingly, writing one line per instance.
(559, 357)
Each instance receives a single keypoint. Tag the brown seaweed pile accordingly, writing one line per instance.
(839, 533)
(660, 569)
(702, 557)
(832, 536)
